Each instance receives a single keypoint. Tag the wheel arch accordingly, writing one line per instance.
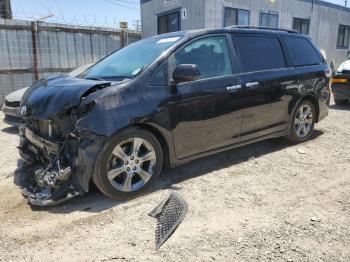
(161, 138)
(313, 99)
(309, 97)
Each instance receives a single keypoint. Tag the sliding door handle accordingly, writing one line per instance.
(235, 88)
(252, 84)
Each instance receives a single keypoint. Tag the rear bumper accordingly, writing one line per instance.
(341, 91)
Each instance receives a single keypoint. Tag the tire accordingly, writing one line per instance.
(340, 102)
(127, 183)
(298, 132)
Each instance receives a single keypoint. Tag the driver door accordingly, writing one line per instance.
(206, 114)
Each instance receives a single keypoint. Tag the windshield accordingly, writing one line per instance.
(131, 60)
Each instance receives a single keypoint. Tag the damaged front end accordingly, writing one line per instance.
(59, 158)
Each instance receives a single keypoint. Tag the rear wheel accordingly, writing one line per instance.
(303, 122)
(340, 101)
(129, 164)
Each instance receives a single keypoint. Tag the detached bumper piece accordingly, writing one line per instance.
(169, 214)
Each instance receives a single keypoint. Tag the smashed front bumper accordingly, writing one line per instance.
(56, 171)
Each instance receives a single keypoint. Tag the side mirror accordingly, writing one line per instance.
(186, 73)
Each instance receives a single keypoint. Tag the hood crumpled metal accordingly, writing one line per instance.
(55, 94)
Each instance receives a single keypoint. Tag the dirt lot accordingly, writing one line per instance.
(268, 201)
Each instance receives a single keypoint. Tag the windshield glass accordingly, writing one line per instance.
(131, 60)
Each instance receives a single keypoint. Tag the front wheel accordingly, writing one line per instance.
(129, 164)
(303, 122)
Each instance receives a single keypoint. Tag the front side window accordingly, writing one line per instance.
(302, 52)
(343, 36)
(169, 23)
(301, 25)
(259, 53)
(269, 19)
(210, 54)
(129, 61)
(233, 16)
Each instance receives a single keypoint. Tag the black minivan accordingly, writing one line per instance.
(166, 100)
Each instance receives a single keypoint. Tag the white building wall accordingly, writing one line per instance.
(325, 19)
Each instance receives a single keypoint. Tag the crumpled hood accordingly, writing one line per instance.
(55, 94)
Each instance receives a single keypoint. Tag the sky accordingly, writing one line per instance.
(93, 12)
(86, 12)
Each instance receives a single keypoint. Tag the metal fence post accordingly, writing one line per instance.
(122, 38)
(35, 50)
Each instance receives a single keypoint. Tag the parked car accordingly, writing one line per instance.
(167, 100)
(341, 84)
(12, 101)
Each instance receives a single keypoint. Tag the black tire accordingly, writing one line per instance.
(293, 135)
(100, 173)
(340, 101)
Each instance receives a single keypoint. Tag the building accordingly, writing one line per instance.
(5, 9)
(328, 24)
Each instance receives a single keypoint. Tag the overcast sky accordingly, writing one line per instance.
(104, 12)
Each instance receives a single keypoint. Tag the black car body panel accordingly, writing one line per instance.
(190, 119)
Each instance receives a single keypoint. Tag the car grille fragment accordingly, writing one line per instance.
(169, 214)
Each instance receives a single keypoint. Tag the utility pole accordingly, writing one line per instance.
(346, 3)
(5, 9)
(137, 24)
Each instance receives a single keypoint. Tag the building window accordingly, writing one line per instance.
(234, 16)
(169, 22)
(269, 19)
(301, 25)
(343, 36)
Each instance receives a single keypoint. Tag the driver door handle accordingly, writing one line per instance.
(233, 88)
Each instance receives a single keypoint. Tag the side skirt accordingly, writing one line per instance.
(177, 162)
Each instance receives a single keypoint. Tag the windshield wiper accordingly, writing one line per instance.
(95, 78)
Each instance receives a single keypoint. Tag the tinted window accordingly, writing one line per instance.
(302, 52)
(159, 78)
(259, 53)
(210, 54)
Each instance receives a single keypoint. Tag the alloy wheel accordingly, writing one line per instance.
(131, 164)
(303, 121)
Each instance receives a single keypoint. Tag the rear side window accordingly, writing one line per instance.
(259, 53)
(302, 51)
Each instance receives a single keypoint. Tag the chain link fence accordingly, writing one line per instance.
(32, 50)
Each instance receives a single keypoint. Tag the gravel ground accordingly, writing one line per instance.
(263, 202)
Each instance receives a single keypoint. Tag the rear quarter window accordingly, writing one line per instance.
(258, 53)
(302, 52)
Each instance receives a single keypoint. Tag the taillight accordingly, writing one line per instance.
(339, 81)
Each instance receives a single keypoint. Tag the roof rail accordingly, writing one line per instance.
(263, 27)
